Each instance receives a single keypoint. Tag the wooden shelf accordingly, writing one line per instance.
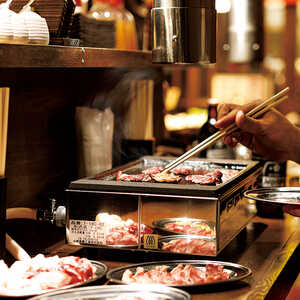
(36, 56)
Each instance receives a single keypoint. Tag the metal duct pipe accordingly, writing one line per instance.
(184, 31)
(246, 31)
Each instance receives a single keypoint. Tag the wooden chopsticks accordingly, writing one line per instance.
(254, 113)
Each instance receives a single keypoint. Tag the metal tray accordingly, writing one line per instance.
(236, 271)
(106, 182)
(282, 195)
(161, 226)
(119, 246)
(153, 292)
(101, 270)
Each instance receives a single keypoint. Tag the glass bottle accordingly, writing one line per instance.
(125, 27)
(102, 28)
(101, 10)
(218, 149)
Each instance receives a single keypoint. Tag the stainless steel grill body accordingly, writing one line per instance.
(222, 207)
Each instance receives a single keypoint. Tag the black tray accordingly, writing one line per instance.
(106, 182)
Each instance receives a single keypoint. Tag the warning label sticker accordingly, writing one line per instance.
(86, 232)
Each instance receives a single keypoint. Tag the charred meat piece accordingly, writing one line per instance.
(132, 177)
(230, 174)
(166, 177)
(183, 170)
(152, 170)
(201, 171)
(217, 174)
(201, 179)
(208, 179)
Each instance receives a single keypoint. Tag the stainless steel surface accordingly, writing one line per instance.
(120, 246)
(282, 195)
(246, 31)
(162, 223)
(254, 113)
(184, 31)
(145, 292)
(101, 270)
(236, 271)
(168, 238)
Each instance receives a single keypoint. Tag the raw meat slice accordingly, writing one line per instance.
(180, 275)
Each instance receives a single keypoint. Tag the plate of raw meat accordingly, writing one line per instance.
(179, 273)
(190, 226)
(42, 274)
(188, 244)
(121, 233)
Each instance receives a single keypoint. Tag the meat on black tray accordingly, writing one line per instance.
(185, 175)
(166, 177)
(183, 171)
(152, 170)
(133, 177)
(208, 179)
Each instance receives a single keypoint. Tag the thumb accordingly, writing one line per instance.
(247, 124)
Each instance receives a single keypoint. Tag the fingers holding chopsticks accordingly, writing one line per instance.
(256, 140)
(247, 126)
(271, 135)
(248, 129)
(231, 113)
(227, 112)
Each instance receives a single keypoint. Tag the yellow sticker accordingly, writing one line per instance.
(151, 241)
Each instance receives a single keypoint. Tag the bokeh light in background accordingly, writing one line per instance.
(223, 6)
(194, 118)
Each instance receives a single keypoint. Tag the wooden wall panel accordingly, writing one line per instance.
(41, 149)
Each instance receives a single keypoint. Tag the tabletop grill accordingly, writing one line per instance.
(220, 211)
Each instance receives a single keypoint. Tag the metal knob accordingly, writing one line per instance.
(54, 215)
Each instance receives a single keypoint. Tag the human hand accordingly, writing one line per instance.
(293, 210)
(271, 136)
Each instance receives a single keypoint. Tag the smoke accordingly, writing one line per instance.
(115, 92)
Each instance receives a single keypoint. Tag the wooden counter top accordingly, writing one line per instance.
(267, 246)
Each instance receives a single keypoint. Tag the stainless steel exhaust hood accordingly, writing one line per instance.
(184, 31)
(246, 31)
